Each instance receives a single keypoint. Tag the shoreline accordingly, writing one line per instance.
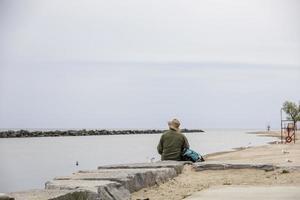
(83, 132)
(147, 159)
(236, 167)
(275, 134)
(258, 134)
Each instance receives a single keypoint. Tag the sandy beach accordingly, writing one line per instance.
(285, 156)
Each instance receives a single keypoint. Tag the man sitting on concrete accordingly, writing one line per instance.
(172, 142)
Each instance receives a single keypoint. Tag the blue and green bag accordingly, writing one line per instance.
(191, 155)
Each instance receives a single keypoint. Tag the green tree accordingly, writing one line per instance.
(292, 110)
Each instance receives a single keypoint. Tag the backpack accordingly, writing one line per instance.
(191, 155)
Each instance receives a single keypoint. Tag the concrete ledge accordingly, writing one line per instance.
(53, 195)
(88, 185)
(132, 179)
(114, 182)
(223, 166)
(118, 181)
(177, 165)
(113, 192)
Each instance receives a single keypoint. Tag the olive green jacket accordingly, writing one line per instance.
(171, 145)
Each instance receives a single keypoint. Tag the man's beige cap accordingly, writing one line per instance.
(174, 124)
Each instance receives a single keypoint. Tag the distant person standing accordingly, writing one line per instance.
(172, 142)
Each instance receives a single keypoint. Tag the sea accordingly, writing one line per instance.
(27, 163)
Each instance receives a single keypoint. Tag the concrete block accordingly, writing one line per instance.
(177, 165)
(54, 195)
(5, 197)
(222, 166)
(113, 192)
(89, 185)
(95, 189)
(114, 182)
(132, 179)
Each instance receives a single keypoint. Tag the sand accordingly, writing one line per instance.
(190, 181)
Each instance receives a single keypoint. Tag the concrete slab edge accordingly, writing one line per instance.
(224, 166)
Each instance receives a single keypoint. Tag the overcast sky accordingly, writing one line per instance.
(137, 63)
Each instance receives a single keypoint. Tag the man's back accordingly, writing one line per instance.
(171, 145)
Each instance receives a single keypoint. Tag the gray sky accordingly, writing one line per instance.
(136, 63)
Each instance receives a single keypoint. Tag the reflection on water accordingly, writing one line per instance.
(27, 163)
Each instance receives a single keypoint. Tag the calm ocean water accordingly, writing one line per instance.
(27, 163)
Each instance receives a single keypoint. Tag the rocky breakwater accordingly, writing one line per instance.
(115, 182)
(83, 132)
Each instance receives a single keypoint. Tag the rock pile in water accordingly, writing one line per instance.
(83, 132)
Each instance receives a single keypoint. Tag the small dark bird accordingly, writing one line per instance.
(77, 163)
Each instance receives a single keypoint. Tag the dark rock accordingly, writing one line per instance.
(5, 197)
(83, 132)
